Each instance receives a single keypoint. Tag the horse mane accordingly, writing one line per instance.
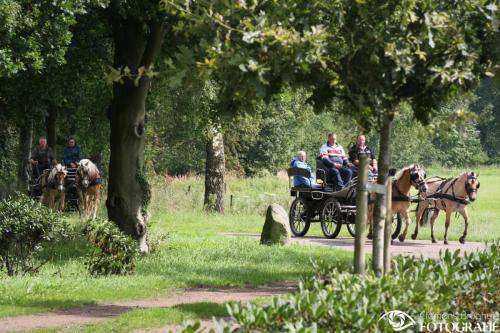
(93, 171)
(53, 172)
(400, 173)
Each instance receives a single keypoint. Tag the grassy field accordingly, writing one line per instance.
(194, 253)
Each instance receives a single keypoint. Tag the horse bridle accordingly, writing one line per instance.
(56, 182)
(416, 180)
(468, 186)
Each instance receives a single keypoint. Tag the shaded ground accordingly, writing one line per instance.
(101, 312)
(409, 247)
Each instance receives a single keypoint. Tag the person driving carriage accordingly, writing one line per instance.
(41, 157)
(72, 153)
(300, 162)
(361, 148)
(334, 158)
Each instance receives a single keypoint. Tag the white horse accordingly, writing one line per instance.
(88, 182)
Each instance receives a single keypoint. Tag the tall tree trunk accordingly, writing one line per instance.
(51, 130)
(24, 152)
(128, 189)
(214, 173)
(384, 162)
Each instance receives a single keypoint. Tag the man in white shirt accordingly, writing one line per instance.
(334, 158)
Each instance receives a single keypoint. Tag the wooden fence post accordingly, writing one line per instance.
(361, 216)
(388, 226)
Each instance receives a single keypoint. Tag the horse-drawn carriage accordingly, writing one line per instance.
(70, 188)
(321, 203)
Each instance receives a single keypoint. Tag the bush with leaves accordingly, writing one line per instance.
(24, 227)
(334, 301)
(113, 252)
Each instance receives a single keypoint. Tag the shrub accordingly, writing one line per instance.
(333, 301)
(24, 226)
(113, 252)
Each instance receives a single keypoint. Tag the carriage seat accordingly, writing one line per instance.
(300, 172)
(323, 173)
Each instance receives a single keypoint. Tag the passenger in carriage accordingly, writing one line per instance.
(42, 157)
(72, 153)
(361, 148)
(334, 158)
(300, 162)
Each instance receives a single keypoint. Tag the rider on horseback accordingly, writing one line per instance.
(41, 157)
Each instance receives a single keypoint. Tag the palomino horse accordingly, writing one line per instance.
(450, 195)
(52, 184)
(88, 181)
(407, 177)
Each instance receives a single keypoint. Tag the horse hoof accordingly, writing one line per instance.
(401, 238)
(369, 236)
(414, 236)
(462, 240)
(434, 241)
(445, 242)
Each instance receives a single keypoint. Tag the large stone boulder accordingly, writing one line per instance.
(276, 229)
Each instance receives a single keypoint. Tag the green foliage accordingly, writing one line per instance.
(371, 54)
(344, 302)
(113, 252)
(34, 34)
(487, 107)
(25, 225)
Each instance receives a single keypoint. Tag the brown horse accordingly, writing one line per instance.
(52, 184)
(88, 182)
(407, 177)
(450, 195)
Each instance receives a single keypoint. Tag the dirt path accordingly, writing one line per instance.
(409, 247)
(101, 312)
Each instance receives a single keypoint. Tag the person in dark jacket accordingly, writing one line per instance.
(72, 153)
(361, 148)
(41, 157)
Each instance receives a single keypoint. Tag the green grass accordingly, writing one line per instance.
(149, 318)
(194, 253)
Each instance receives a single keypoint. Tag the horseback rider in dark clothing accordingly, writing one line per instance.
(361, 148)
(41, 157)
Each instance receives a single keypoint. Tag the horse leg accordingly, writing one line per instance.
(406, 217)
(80, 203)
(88, 206)
(446, 226)
(420, 209)
(96, 201)
(51, 199)
(62, 202)
(433, 219)
(464, 214)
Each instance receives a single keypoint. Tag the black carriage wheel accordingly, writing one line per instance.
(397, 221)
(299, 217)
(331, 218)
(351, 227)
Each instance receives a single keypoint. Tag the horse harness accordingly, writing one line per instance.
(97, 180)
(397, 195)
(441, 193)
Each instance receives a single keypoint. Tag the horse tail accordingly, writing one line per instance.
(424, 219)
